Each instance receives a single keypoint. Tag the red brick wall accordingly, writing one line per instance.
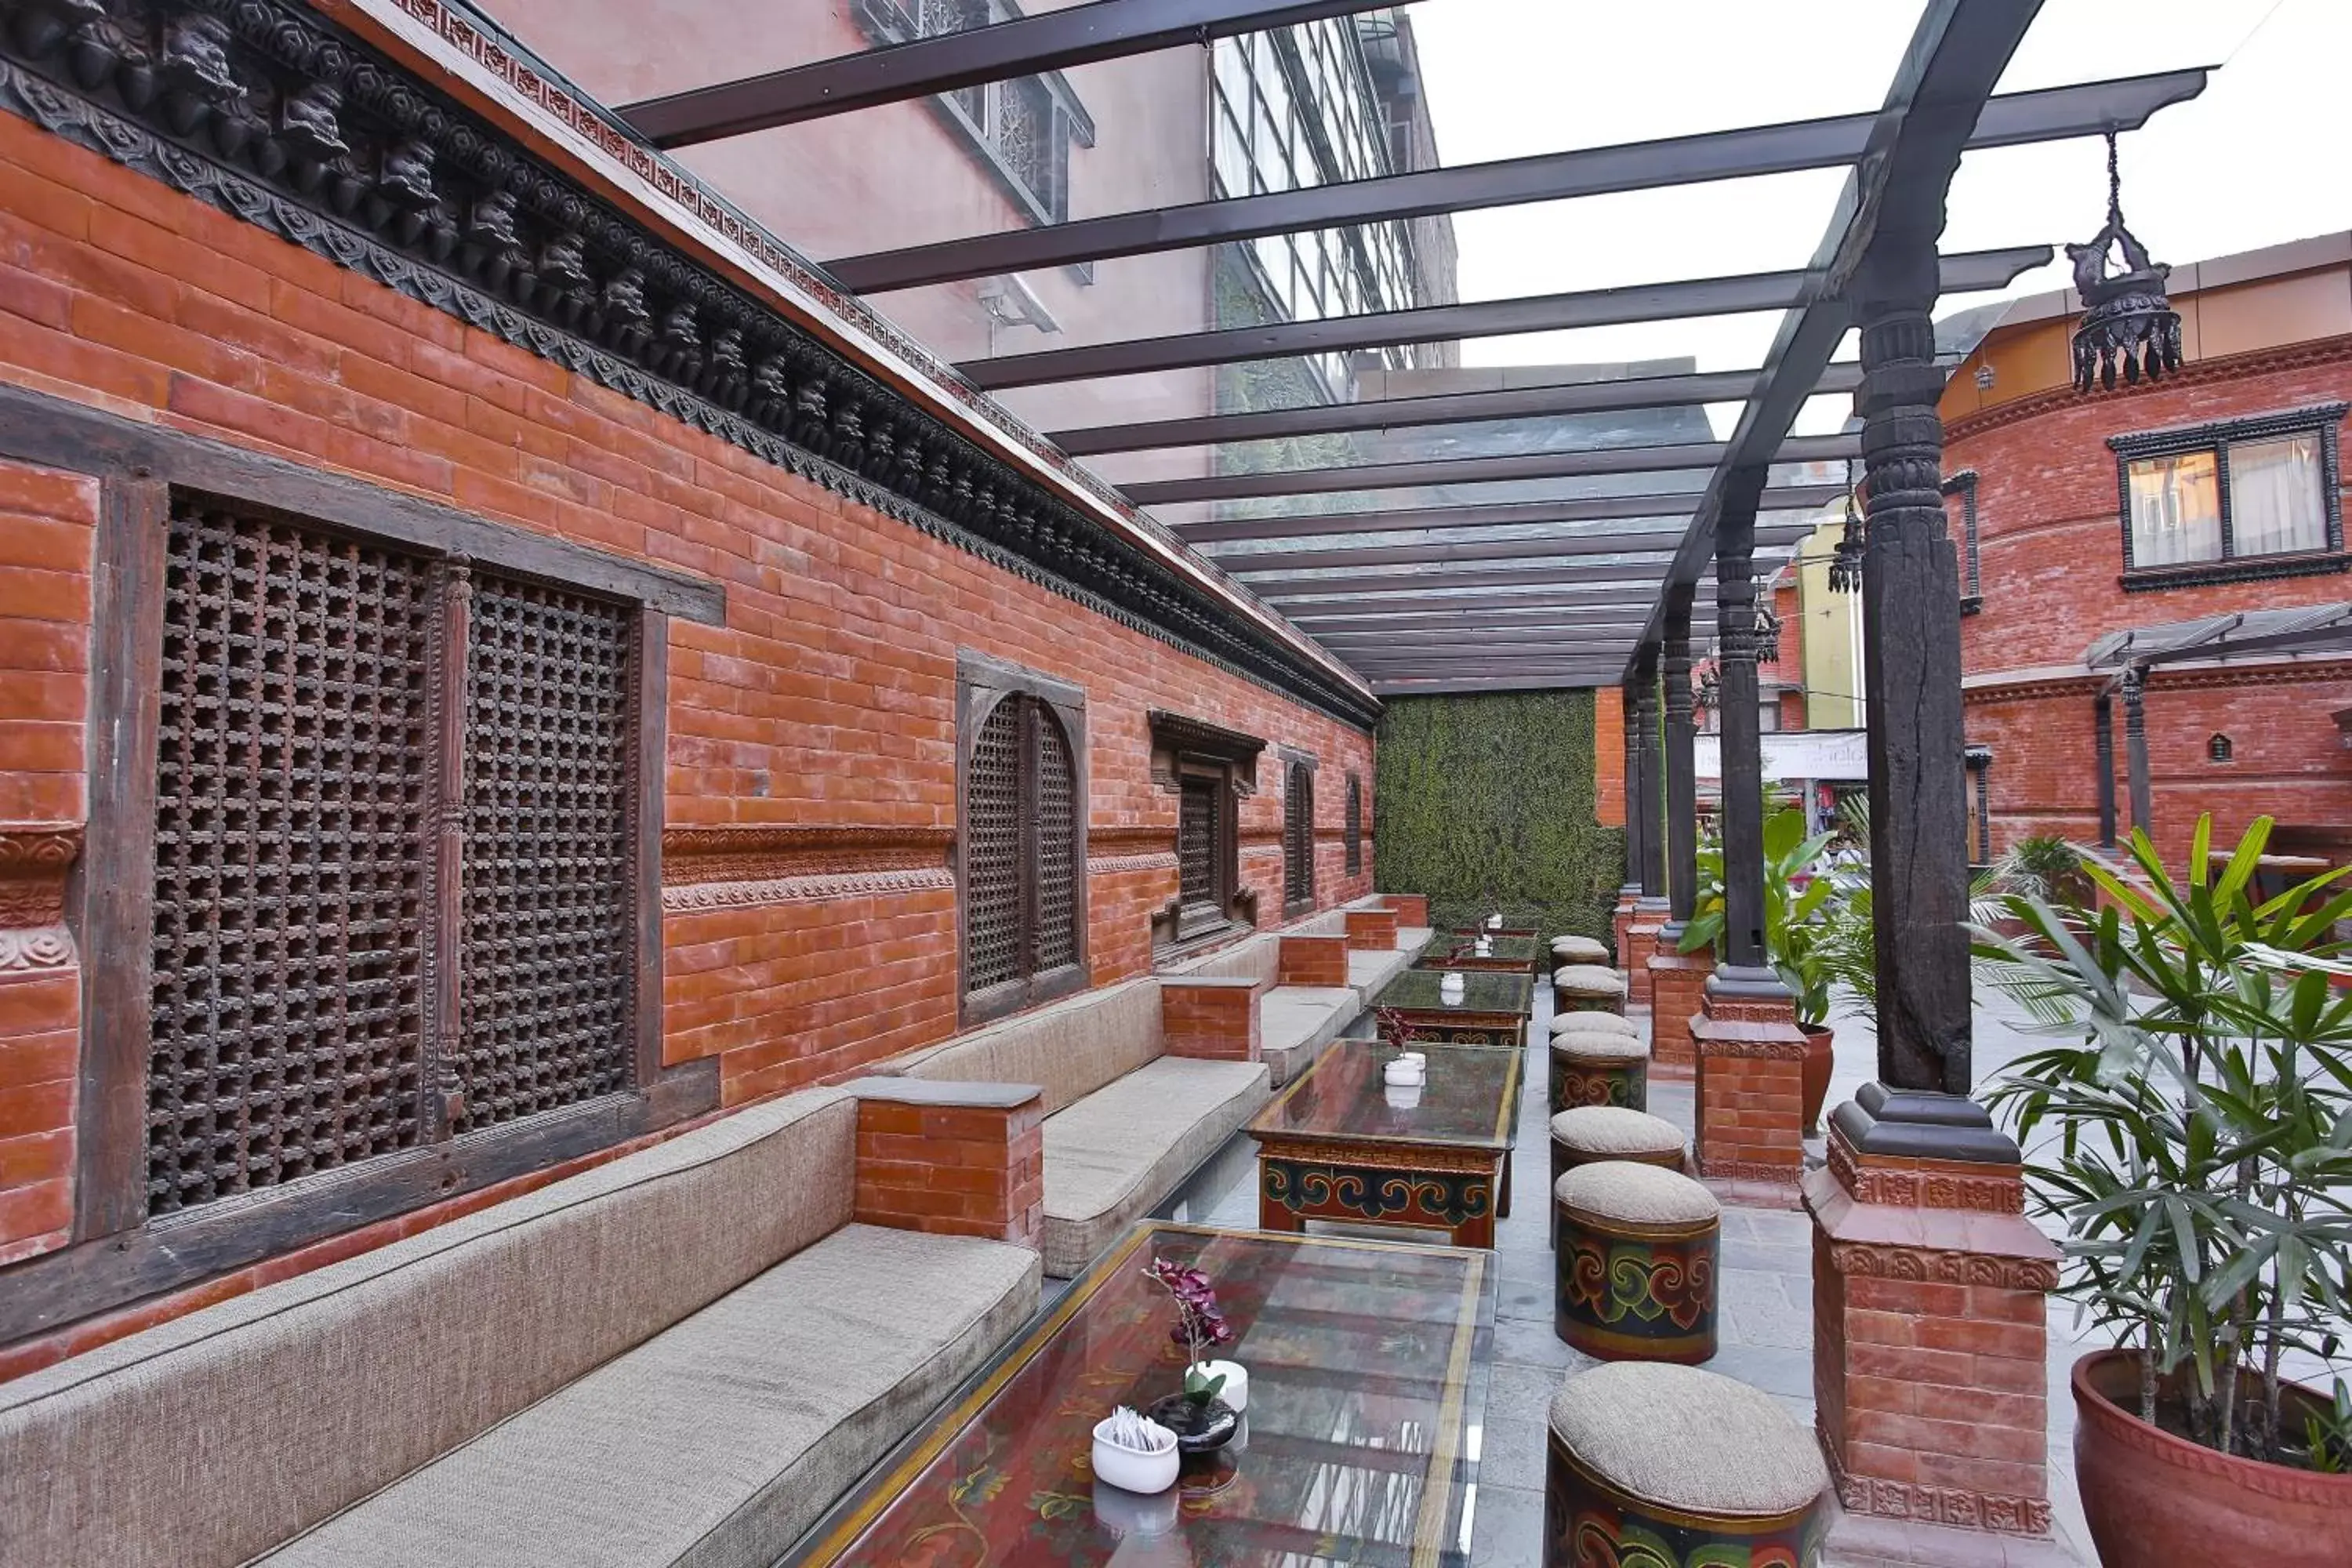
(827, 699)
(1210, 1017)
(1373, 931)
(2051, 540)
(1312, 961)
(1609, 756)
(953, 1170)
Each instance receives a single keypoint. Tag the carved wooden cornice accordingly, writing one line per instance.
(2197, 373)
(274, 114)
(34, 857)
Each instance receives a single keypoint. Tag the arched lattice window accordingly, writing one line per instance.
(1355, 826)
(1022, 840)
(1298, 835)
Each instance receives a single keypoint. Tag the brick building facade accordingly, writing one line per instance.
(2039, 483)
(793, 629)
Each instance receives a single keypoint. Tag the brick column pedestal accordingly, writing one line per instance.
(1929, 1323)
(1412, 908)
(1677, 991)
(1312, 961)
(1750, 1100)
(1641, 945)
(1373, 931)
(1622, 923)
(1211, 1017)
(954, 1159)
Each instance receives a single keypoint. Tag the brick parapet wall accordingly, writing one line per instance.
(1609, 756)
(1412, 908)
(1312, 961)
(951, 1159)
(826, 698)
(1373, 931)
(1209, 1017)
(1929, 1340)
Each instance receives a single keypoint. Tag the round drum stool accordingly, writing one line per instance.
(1635, 1273)
(1654, 1463)
(1587, 988)
(1584, 1134)
(1580, 949)
(1597, 1067)
(1595, 1024)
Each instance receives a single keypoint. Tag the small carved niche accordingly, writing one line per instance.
(2220, 749)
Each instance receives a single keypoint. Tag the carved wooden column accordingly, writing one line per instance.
(2103, 741)
(1642, 779)
(1649, 912)
(1928, 1282)
(1751, 1053)
(2143, 808)
(1677, 979)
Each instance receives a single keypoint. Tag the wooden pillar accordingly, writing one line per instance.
(1640, 929)
(2143, 808)
(1751, 1053)
(2103, 731)
(1677, 980)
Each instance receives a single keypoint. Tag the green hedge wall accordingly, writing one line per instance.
(1485, 802)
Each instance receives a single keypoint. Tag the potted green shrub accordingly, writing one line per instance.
(1798, 896)
(2194, 1137)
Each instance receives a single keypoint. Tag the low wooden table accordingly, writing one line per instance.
(1340, 1144)
(1514, 952)
(1493, 1009)
(1364, 1394)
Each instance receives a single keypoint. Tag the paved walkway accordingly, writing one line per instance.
(1766, 1328)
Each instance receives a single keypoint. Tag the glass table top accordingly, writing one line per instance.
(1488, 992)
(1508, 949)
(1364, 1394)
(1471, 1097)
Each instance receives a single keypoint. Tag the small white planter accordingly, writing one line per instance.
(1449, 989)
(1136, 1469)
(1236, 1392)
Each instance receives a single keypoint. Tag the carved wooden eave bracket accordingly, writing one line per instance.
(467, 176)
(36, 857)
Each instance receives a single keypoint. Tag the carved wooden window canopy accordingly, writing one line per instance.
(1211, 769)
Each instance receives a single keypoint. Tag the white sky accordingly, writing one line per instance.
(2251, 163)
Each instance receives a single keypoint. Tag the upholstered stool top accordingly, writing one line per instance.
(1635, 1194)
(1612, 1130)
(1693, 1441)
(1579, 950)
(1598, 1046)
(1596, 1024)
(1589, 980)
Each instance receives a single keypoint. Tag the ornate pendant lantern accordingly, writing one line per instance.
(2127, 320)
(1768, 635)
(1708, 691)
(1845, 566)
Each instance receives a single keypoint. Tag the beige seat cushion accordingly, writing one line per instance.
(1119, 1152)
(1413, 940)
(1587, 980)
(1598, 1046)
(206, 1440)
(1295, 1022)
(718, 1441)
(1579, 950)
(1607, 1129)
(1595, 1023)
(1637, 1193)
(1690, 1440)
(1069, 1048)
(1368, 970)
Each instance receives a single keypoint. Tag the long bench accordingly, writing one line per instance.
(681, 1357)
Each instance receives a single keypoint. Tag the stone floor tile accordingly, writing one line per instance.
(1529, 1343)
(1506, 1531)
(1512, 1455)
(1517, 1393)
(1775, 1369)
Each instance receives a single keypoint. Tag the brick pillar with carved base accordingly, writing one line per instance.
(1677, 991)
(1750, 1099)
(1642, 945)
(1628, 897)
(1930, 1319)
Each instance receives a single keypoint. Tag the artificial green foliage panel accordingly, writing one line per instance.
(1485, 801)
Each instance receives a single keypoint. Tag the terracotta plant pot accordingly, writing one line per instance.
(2155, 1500)
(1820, 1057)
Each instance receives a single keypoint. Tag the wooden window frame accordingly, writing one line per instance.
(1355, 824)
(1182, 748)
(117, 1253)
(1962, 486)
(983, 683)
(2324, 419)
(1298, 770)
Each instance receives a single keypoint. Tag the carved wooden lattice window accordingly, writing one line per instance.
(1298, 836)
(1021, 843)
(1196, 850)
(1355, 826)
(306, 776)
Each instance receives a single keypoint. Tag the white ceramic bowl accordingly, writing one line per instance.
(1131, 1469)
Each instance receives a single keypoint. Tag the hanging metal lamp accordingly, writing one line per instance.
(1845, 566)
(2127, 323)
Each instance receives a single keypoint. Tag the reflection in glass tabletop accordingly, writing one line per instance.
(1487, 991)
(1363, 1393)
(1471, 1096)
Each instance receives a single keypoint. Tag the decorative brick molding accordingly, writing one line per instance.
(1312, 961)
(1373, 931)
(953, 1158)
(37, 950)
(1750, 1089)
(1107, 864)
(33, 860)
(1412, 908)
(1677, 991)
(743, 867)
(1930, 1334)
(1211, 1017)
(2197, 373)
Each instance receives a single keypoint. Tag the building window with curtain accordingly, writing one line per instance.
(1020, 851)
(2234, 502)
(1298, 837)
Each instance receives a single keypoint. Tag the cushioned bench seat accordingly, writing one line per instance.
(1295, 1022)
(1368, 970)
(1413, 940)
(717, 1441)
(1114, 1155)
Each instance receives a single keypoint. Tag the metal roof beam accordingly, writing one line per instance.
(1277, 590)
(1550, 400)
(2017, 117)
(920, 67)
(1449, 323)
(1475, 470)
(1437, 552)
(1677, 504)
(1465, 609)
(1580, 681)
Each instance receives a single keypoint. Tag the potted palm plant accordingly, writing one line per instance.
(2194, 1138)
(1798, 896)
